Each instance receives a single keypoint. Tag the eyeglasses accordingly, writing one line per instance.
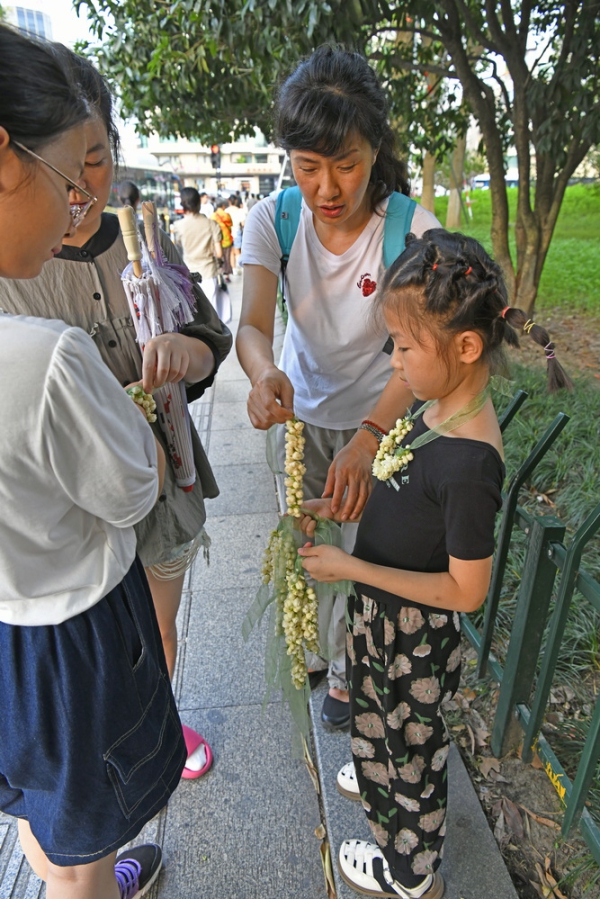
(78, 210)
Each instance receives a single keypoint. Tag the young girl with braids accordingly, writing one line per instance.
(423, 552)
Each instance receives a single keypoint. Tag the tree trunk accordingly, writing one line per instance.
(456, 181)
(427, 192)
(481, 98)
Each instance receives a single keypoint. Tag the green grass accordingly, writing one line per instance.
(568, 476)
(571, 276)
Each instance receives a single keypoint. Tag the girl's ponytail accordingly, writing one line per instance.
(558, 379)
(449, 277)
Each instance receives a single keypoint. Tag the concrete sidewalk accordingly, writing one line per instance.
(247, 829)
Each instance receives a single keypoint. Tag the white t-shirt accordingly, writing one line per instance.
(332, 350)
(77, 470)
(238, 217)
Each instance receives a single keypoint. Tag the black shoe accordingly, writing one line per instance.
(335, 713)
(137, 868)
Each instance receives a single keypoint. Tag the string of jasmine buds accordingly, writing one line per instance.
(296, 601)
(391, 456)
(145, 400)
(294, 469)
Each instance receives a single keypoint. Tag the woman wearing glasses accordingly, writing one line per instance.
(82, 286)
(91, 746)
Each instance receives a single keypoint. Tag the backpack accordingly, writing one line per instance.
(396, 226)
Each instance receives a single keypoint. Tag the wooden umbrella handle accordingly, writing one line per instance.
(131, 239)
(149, 215)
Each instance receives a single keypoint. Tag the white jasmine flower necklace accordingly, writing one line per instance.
(392, 456)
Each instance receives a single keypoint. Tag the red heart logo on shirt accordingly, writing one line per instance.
(368, 287)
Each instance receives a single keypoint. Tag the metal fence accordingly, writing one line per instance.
(526, 676)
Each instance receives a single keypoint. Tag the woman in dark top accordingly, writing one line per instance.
(423, 553)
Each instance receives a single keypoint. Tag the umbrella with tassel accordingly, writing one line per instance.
(160, 300)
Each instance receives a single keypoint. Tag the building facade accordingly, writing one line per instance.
(251, 165)
(31, 19)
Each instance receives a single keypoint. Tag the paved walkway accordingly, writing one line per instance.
(247, 829)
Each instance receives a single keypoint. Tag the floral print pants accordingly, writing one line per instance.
(400, 668)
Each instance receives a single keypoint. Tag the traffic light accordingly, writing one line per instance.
(215, 156)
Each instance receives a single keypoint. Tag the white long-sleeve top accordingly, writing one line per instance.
(78, 469)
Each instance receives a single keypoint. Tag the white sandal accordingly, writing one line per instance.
(347, 783)
(356, 862)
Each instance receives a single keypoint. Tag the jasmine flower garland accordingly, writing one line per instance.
(391, 456)
(296, 611)
(294, 469)
(145, 400)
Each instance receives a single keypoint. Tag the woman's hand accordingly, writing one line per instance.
(320, 507)
(271, 400)
(172, 357)
(351, 473)
(325, 563)
(166, 359)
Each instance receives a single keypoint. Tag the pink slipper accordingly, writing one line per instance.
(192, 741)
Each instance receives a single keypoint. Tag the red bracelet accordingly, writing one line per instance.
(373, 425)
(372, 428)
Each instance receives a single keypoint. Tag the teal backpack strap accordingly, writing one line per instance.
(287, 219)
(398, 221)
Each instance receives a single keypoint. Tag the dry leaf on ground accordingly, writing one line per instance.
(547, 822)
(513, 819)
(328, 870)
(547, 888)
(489, 764)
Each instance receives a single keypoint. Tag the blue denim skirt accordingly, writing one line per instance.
(91, 745)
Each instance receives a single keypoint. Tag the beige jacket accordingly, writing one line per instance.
(196, 236)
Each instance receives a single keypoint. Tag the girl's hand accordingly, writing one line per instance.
(320, 507)
(166, 359)
(325, 563)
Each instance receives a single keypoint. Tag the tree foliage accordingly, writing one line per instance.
(528, 70)
(202, 68)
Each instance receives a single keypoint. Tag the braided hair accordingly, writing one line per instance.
(451, 278)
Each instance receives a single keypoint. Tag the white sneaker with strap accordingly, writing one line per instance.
(364, 868)
(347, 783)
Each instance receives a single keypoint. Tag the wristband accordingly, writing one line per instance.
(372, 428)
